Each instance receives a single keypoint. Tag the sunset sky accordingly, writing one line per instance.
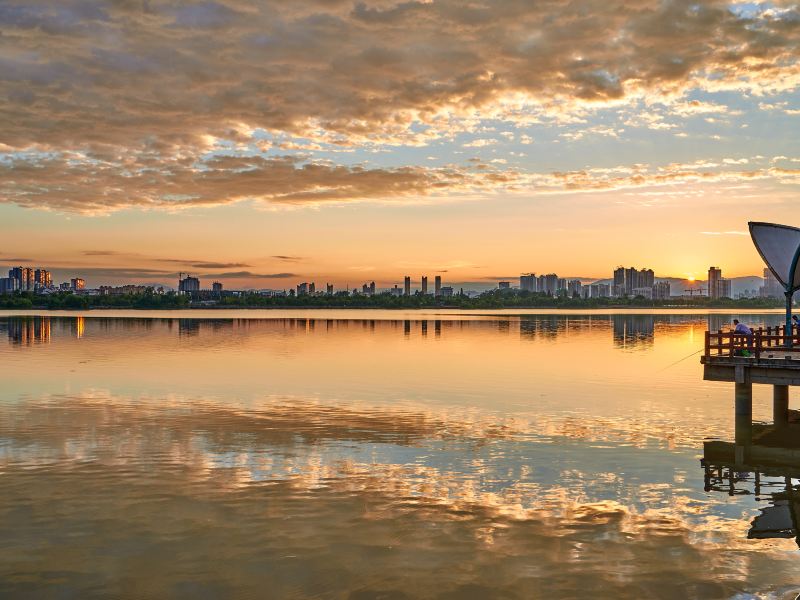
(268, 143)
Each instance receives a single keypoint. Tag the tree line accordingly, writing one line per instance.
(487, 300)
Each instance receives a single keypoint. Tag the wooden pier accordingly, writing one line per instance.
(770, 356)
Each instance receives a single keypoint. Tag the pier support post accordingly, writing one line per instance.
(780, 405)
(744, 418)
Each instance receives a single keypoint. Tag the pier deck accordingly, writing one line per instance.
(769, 356)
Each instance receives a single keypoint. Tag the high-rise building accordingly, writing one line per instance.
(661, 290)
(216, 287)
(447, 292)
(329, 289)
(574, 287)
(8, 285)
(600, 290)
(772, 287)
(714, 277)
(24, 277)
(504, 285)
(424, 285)
(15, 273)
(631, 280)
(628, 279)
(724, 288)
(312, 288)
(407, 286)
(302, 288)
(549, 284)
(619, 277)
(42, 279)
(437, 286)
(527, 282)
(187, 284)
(78, 284)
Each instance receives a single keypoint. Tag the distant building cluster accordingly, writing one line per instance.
(38, 281)
(370, 289)
(190, 286)
(772, 287)
(626, 282)
(718, 286)
(642, 282)
(551, 284)
(124, 290)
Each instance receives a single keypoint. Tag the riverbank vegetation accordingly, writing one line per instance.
(495, 299)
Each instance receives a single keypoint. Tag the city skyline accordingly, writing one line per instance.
(98, 268)
(625, 282)
(140, 142)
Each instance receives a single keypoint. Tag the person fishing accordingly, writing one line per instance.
(744, 330)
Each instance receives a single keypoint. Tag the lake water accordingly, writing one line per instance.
(372, 454)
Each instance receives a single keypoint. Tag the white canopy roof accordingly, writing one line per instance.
(779, 246)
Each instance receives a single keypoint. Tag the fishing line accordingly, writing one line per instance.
(681, 360)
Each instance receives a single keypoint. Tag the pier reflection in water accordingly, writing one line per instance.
(441, 457)
(773, 488)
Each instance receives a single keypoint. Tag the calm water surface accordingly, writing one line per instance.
(360, 455)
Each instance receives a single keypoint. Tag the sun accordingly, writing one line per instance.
(690, 279)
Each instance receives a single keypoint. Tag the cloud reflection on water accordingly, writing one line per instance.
(410, 489)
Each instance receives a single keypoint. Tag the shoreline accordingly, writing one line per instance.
(373, 313)
(670, 307)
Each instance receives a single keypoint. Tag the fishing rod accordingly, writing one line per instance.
(681, 360)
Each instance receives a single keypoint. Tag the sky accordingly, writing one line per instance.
(263, 144)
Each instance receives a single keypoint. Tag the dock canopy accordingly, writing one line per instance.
(779, 246)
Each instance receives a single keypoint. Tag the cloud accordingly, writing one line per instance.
(99, 275)
(512, 278)
(114, 273)
(14, 259)
(68, 185)
(166, 105)
(217, 265)
(157, 78)
(724, 233)
(197, 264)
(287, 258)
(249, 275)
(480, 142)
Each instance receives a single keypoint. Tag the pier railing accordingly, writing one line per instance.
(764, 339)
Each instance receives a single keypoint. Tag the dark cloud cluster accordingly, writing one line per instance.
(286, 258)
(119, 100)
(251, 275)
(126, 274)
(77, 185)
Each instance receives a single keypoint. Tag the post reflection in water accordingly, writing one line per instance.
(501, 456)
